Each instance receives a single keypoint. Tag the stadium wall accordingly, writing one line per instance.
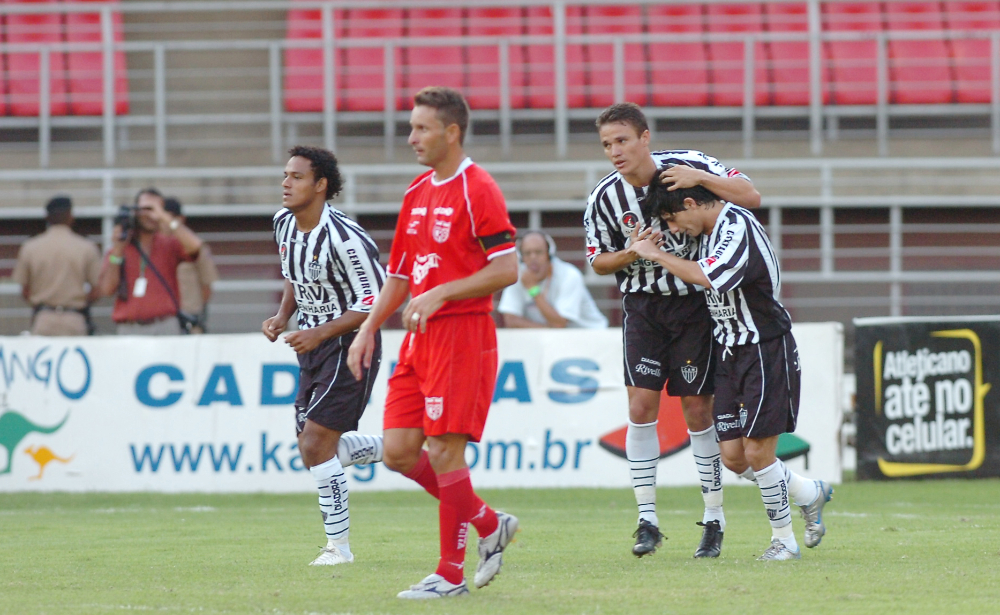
(213, 414)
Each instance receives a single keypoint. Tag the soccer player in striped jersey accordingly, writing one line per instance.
(758, 373)
(667, 331)
(332, 277)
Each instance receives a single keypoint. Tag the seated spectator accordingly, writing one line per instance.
(550, 292)
(140, 269)
(195, 279)
(54, 270)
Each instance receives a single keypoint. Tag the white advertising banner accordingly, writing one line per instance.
(214, 413)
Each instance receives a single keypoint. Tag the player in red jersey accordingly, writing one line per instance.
(453, 248)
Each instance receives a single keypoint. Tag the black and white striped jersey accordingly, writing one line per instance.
(333, 268)
(739, 261)
(615, 207)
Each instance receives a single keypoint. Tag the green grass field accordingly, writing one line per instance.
(914, 547)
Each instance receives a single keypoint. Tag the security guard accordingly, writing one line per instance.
(58, 273)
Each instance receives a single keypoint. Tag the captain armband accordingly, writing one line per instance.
(491, 241)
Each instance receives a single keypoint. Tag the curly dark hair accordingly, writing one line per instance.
(324, 164)
(662, 202)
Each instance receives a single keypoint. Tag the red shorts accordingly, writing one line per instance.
(444, 380)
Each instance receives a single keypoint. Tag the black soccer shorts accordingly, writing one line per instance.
(328, 393)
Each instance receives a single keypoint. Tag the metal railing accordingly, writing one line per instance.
(277, 128)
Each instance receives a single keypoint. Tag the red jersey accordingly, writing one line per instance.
(166, 253)
(449, 230)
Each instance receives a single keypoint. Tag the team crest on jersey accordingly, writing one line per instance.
(629, 220)
(315, 269)
(743, 417)
(434, 406)
(442, 228)
(422, 265)
(689, 372)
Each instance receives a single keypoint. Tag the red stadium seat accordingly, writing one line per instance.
(23, 78)
(303, 73)
(539, 60)
(86, 68)
(726, 59)
(483, 91)
(919, 70)
(678, 71)
(853, 64)
(599, 58)
(576, 59)
(972, 56)
(789, 60)
(362, 72)
(426, 66)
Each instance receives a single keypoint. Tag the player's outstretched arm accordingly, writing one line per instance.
(392, 295)
(689, 271)
(499, 273)
(273, 326)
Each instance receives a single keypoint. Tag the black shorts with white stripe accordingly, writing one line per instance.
(757, 389)
(328, 393)
(668, 339)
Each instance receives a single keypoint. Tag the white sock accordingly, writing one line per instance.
(803, 490)
(332, 486)
(774, 492)
(749, 475)
(642, 447)
(705, 448)
(356, 448)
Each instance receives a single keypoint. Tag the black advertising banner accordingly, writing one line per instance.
(925, 400)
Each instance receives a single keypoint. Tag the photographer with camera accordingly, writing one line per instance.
(140, 269)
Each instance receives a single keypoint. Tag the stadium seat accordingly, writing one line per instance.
(86, 68)
(303, 89)
(919, 70)
(789, 60)
(853, 64)
(483, 91)
(23, 68)
(577, 69)
(362, 73)
(971, 55)
(726, 59)
(678, 71)
(599, 58)
(443, 65)
(539, 60)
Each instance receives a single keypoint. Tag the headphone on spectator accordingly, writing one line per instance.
(548, 240)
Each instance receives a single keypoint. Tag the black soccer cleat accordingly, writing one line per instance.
(647, 538)
(711, 540)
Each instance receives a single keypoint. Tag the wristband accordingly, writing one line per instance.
(534, 291)
(174, 224)
(115, 260)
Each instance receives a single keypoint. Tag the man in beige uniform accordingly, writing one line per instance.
(195, 279)
(54, 269)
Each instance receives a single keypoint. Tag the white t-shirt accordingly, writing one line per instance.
(565, 291)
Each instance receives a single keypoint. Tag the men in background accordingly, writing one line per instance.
(195, 279)
(551, 293)
(58, 273)
(758, 373)
(140, 269)
(453, 248)
(667, 330)
(332, 276)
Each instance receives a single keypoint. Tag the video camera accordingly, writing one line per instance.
(126, 219)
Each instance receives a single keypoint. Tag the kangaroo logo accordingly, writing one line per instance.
(14, 427)
(43, 456)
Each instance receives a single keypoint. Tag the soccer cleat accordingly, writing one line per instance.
(491, 549)
(434, 586)
(647, 538)
(711, 540)
(331, 556)
(778, 552)
(813, 514)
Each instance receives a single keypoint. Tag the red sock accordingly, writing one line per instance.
(424, 475)
(459, 505)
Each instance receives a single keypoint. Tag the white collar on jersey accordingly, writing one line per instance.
(461, 168)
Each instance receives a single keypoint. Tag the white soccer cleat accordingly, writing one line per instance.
(434, 586)
(778, 552)
(813, 514)
(331, 556)
(491, 549)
